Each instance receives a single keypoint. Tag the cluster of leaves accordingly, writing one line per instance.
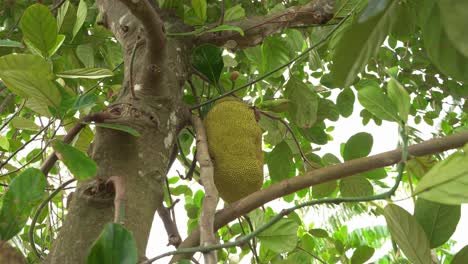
(404, 62)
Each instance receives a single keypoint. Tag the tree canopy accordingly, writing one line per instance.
(102, 93)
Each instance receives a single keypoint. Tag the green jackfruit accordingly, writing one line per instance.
(235, 145)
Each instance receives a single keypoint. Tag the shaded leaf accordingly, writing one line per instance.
(358, 146)
(376, 102)
(408, 234)
(23, 123)
(362, 254)
(119, 127)
(345, 102)
(25, 191)
(461, 257)
(234, 13)
(439, 221)
(304, 103)
(208, 60)
(115, 245)
(79, 164)
(355, 186)
(453, 14)
(280, 162)
(281, 236)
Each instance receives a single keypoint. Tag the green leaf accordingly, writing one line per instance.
(29, 76)
(318, 232)
(355, 186)
(461, 257)
(199, 6)
(10, 43)
(405, 25)
(276, 105)
(23, 123)
(442, 52)
(304, 103)
(447, 181)
(358, 146)
(85, 53)
(25, 191)
(359, 43)
(234, 13)
(281, 236)
(453, 15)
(362, 254)
(4, 143)
(400, 98)
(280, 162)
(115, 245)
(315, 134)
(376, 102)
(79, 164)
(274, 53)
(324, 189)
(39, 28)
(227, 28)
(58, 44)
(345, 102)
(408, 234)
(376, 174)
(86, 73)
(208, 60)
(373, 9)
(119, 127)
(439, 221)
(80, 17)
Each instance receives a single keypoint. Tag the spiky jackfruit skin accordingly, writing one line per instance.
(235, 145)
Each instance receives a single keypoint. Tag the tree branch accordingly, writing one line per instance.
(322, 175)
(210, 201)
(257, 28)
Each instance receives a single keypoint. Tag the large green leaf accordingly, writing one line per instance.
(208, 60)
(461, 257)
(86, 73)
(324, 189)
(441, 51)
(358, 146)
(275, 53)
(453, 15)
(280, 162)
(281, 236)
(362, 254)
(355, 186)
(25, 191)
(80, 16)
(304, 103)
(345, 102)
(199, 6)
(376, 102)
(447, 181)
(29, 76)
(79, 164)
(400, 98)
(234, 13)
(115, 245)
(119, 127)
(24, 123)
(10, 43)
(39, 28)
(359, 43)
(439, 221)
(408, 234)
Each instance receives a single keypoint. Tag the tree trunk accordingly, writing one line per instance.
(157, 113)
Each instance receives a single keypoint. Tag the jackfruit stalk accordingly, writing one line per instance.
(235, 145)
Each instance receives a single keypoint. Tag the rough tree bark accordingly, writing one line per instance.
(160, 69)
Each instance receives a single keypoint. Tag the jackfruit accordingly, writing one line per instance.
(235, 145)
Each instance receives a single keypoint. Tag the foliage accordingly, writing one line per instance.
(400, 61)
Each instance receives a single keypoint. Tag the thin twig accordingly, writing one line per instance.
(13, 116)
(207, 236)
(312, 255)
(25, 144)
(304, 158)
(38, 213)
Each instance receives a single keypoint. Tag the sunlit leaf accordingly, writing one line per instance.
(447, 181)
(39, 28)
(80, 16)
(23, 123)
(376, 102)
